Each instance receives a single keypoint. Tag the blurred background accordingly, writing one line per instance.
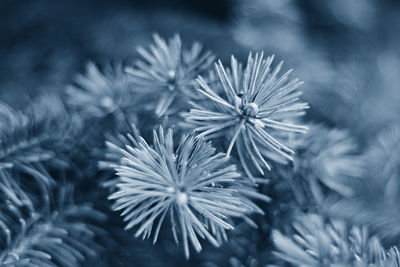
(346, 51)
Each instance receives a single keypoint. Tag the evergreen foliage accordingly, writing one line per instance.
(168, 71)
(256, 104)
(98, 93)
(320, 243)
(326, 161)
(43, 132)
(189, 184)
(54, 231)
(233, 159)
(379, 188)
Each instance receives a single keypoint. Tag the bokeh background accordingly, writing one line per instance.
(347, 49)
(347, 52)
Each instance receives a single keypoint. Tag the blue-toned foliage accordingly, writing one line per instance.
(256, 107)
(167, 72)
(325, 158)
(98, 93)
(376, 198)
(115, 145)
(43, 132)
(191, 185)
(390, 258)
(318, 242)
(208, 180)
(46, 230)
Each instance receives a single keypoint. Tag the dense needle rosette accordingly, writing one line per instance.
(256, 107)
(168, 71)
(190, 184)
